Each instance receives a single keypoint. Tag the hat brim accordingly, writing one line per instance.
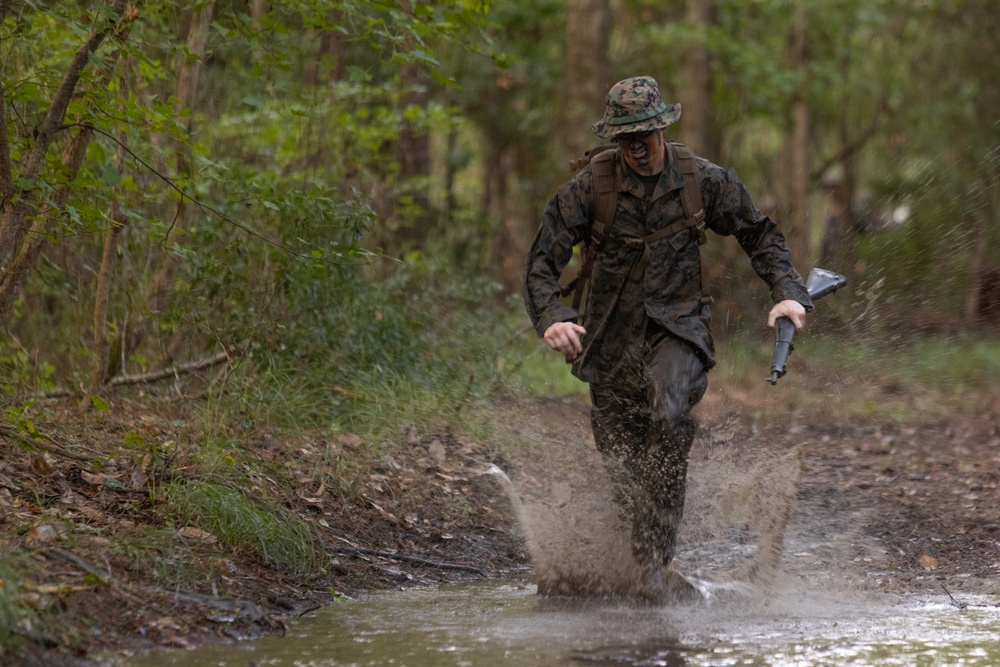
(607, 129)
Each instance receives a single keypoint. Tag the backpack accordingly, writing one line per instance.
(602, 166)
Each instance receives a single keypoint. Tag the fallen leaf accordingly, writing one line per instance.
(91, 478)
(139, 477)
(349, 440)
(40, 466)
(57, 589)
(227, 566)
(192, 533)
(437, 452)
(928, 562)
(40, 535)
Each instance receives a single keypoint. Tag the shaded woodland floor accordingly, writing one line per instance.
(883, 505)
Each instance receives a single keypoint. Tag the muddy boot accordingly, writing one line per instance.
(665, 585)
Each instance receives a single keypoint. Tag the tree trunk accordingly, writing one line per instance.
(6, 172)
(32, 243)
(799, 219)
(586, 76)
(102, 293)
(841, 224)
(14, 215)
(796, 157)
(415, 158)
(697, 97)
(329, 62)
(510, 243)
(158, 290)
(982, 298)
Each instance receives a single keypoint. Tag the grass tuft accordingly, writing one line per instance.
(278, 538)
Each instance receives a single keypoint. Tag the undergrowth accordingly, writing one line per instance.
(849, 375)
(277, 537)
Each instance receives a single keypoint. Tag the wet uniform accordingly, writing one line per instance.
(648, 346)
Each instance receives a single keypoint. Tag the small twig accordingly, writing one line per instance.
(73, 559)
(173, 371)
(961, 605)
(354, 551)
(305, 610)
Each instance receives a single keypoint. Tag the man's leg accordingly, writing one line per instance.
(643, 427)
(676, 381)
(620, 420)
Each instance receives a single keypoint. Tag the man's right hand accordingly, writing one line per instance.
(565, 337)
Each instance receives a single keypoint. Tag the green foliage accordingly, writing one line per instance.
(278, 185)
(394, 344)
(278, 538)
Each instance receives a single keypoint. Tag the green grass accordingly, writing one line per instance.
(278, 538)
(872, 377)
(539, 371)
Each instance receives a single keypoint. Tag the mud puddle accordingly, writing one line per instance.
(496, 624)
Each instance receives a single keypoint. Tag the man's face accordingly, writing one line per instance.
(643, 151)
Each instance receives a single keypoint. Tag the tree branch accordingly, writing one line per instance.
(850, 148)
(57, 110)
(174, 371)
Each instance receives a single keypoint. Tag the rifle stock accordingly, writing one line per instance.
(820, 283)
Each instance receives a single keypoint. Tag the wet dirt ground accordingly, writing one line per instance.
(884, 506)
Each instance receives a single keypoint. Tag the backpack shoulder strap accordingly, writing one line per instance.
(694, 205)
(602, 168)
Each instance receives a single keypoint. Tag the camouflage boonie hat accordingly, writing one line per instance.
(634, 105)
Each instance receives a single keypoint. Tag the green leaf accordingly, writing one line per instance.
(100, 404)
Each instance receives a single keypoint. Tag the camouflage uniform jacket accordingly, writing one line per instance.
(669, 292)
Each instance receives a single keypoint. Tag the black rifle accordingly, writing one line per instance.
(821, 282)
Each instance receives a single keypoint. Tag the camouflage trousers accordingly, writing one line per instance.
(643, 428)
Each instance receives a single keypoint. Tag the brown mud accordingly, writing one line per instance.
(872, 504)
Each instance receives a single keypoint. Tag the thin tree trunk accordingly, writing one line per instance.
(257, 10)
(415, 155)
(799, 236)
(103, 291)
(796, 157)
(697, 97)
(32, 243)
(329, 62)
(983, 239)
(158, 290)
(6, 173)
(586, 78)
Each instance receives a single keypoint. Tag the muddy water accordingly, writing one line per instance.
(495, 624)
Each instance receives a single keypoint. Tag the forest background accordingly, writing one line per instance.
(312, 215)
